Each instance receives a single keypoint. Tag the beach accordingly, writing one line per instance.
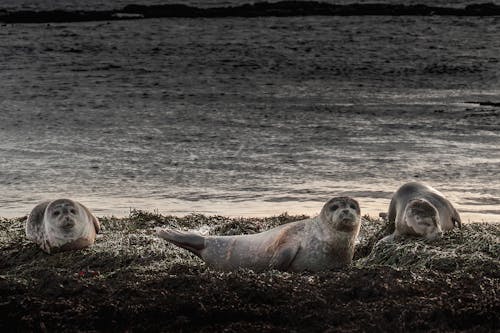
(234, 125)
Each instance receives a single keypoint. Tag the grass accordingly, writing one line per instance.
(131, 279)
(131, 242)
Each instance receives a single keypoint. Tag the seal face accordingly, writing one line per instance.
(320, 243)
(423, 218)
(419, 210)
(342, 213)
(61, 225)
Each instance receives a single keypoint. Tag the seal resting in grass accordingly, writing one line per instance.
(315, 244)
(419, 210)
(61, 225)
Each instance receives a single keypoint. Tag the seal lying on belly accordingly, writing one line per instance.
(419, 210)
(320, 243)
(61, 225)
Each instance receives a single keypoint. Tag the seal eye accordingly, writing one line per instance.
(72, 211)
(56, 213)
(334, 207)
(353, 206)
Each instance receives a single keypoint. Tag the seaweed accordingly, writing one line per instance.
(132, 280)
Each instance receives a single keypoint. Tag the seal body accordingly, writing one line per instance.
(320, 243)
(419, 210)
(61, 225)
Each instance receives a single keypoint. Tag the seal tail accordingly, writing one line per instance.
(187, 240)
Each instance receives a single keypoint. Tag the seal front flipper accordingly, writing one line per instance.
(34, 223)
(95, 220)
(187, 240)
(387, 239)
(455, 218)
(284, 256)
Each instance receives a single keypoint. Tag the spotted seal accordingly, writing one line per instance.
(61, 225)
(315, 244)
(417, 209)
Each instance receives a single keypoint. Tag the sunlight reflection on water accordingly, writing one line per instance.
(218, 117)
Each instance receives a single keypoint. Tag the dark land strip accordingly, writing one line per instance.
(260, 9)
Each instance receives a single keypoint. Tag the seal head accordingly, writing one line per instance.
(342, 214)
(422, 218)
(63, 214)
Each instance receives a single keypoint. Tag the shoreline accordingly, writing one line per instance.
(246, 209)
(467, 217)
(259, 9)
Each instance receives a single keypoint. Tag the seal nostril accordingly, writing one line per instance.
(68, 224)
(345, 211)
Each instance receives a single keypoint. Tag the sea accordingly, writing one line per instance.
(248, 116)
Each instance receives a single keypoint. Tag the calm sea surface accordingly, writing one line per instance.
(248, 116)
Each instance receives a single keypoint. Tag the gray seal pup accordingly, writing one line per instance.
(315, 244)
(61, 225)
(419, 210)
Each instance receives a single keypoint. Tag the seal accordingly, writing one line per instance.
(61, 225)
(417, 209)
(320, 243)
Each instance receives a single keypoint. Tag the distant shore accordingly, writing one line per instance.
(259, 9)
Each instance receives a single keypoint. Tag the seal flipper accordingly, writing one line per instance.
(284, 256)
(34, 222)
(95, 221)
(187, 240)
(387, 239)
(455, 218)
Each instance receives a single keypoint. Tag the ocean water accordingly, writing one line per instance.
(115, 4)
(249, 117)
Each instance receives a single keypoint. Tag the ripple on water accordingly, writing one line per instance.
(223, 117)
